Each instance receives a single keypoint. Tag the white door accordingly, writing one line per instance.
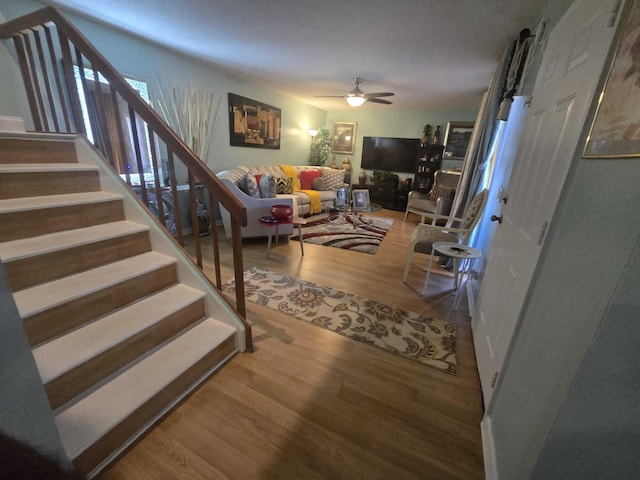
(571, 65)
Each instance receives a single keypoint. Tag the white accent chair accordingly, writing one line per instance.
(439, 199)
(455, 230)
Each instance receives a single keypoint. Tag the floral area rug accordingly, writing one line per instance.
(337, 231)
(422, 339)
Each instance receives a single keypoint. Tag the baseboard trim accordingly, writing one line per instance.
(11, 124)
(488, 449)
(471, 298)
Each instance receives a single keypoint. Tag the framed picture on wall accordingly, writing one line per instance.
(253, 124)
(457, 138)
(344, 137)
(615, 131)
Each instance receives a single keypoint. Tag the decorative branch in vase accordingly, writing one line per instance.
(192, 116)
(192, 113)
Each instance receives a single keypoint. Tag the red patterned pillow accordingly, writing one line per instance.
(306, 178)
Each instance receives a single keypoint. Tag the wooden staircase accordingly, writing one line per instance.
(118, 338)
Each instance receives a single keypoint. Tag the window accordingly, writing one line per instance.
(97, 109)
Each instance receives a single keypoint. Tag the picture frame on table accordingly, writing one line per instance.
(457, 139)
(342, 197)
(360, 199)
(344, 137)
(615, 130)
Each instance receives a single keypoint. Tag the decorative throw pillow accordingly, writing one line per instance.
(252, 185)
(333, 177)
(441, 191)
(306, 178)
(267, 186)
(284, 185)
(242, 184)
(258, 177)
(319, 184)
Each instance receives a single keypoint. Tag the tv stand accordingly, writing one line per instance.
(386, 194)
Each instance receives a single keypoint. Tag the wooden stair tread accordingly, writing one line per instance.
(53, 242)
(52, 201)
(117, 339)
(46, 167)
(84, 423)
(48, 295)
(67, 352)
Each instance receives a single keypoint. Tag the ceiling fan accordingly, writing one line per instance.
(357, 97)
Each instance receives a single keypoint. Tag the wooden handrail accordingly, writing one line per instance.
(68, 33)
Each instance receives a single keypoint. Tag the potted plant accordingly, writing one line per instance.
(391, 179)
(426, 134)
(320, 147)
(386, 179)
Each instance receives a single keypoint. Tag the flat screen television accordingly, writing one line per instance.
(390, 154)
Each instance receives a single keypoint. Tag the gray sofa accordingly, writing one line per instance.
(257, 206)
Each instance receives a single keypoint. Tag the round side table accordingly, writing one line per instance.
(275, 224)
(462, 255)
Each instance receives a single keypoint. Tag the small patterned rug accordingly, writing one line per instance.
(338, 231)
(422, 339)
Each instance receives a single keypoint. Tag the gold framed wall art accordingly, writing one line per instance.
(615, 131)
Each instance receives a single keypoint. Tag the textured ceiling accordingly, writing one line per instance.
(432, 53)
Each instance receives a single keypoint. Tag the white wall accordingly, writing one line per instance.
(24, 407)
(13, 101)
(597, 433)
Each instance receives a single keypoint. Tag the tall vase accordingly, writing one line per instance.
(436, 136)
(362, 178)
(346, 166)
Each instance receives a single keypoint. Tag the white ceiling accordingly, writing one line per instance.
(433, 54)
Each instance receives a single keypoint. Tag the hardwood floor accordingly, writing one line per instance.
(311, 404)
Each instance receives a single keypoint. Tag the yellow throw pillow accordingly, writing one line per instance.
(284, 185)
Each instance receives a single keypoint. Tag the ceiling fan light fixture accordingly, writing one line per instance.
(356, 101)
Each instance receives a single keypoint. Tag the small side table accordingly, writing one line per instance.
(460, 254)
(300, 222)
(275, 224)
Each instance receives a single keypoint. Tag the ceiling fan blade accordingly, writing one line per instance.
(329, 96)
(379, 100)
(379, 94)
